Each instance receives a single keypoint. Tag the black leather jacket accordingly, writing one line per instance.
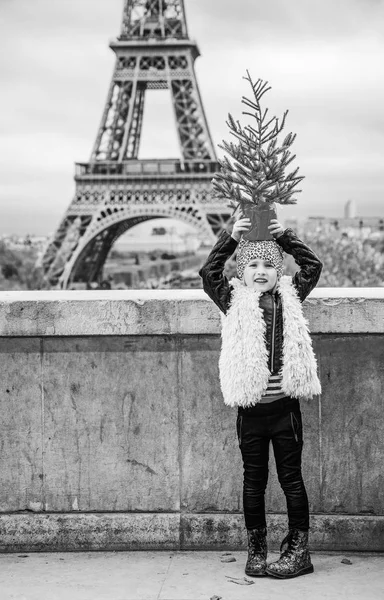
(217, 287)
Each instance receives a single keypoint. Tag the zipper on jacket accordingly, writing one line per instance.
(273, 333)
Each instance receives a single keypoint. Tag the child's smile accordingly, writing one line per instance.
(260, 275)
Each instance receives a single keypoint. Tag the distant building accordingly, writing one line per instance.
(17, 242)
(167, 240)
(371, 223)
(350, 210)
(159, 231)
(374, 223)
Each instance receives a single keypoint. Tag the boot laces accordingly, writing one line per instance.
(256, 539)
(289, 543)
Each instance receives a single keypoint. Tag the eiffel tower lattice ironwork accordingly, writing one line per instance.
(116, 190)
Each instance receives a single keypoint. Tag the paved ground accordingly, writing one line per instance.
(182, 576)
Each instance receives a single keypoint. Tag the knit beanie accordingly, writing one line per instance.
(266, 250)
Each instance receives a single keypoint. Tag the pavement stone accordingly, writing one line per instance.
(184, 575)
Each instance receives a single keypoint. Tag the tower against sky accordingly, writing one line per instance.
(116, 190)
(350, 210)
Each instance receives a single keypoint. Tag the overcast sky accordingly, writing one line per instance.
(323, 58)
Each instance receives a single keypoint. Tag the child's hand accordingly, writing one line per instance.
(276, 228)
(242, 224)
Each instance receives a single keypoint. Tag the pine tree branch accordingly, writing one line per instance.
(256, 171)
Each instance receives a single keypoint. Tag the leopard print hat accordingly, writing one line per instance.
(266, 250)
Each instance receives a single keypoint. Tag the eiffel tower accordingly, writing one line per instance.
(116, 190)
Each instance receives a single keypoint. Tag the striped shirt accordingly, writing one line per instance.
(274, 390)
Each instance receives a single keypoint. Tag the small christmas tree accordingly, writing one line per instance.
(255, 177)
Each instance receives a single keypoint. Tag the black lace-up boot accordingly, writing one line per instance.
(257, 552)
(294, 558)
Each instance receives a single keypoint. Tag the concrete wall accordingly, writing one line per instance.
(114, 434)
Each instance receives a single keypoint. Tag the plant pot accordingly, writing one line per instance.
(260, 216)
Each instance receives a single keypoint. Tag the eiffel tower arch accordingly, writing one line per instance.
(116, 190)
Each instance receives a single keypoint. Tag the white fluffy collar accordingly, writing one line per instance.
(243, 362)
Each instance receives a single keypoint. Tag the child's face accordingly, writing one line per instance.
(260, 275)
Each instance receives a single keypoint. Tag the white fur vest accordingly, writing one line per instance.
(243, 363)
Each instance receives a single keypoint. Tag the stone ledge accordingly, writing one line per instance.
(170, 312)
(327, 532)
(171, 531)
(66, 532)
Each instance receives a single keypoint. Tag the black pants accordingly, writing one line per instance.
(280, 422)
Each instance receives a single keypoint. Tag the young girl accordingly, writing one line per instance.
(267, 366)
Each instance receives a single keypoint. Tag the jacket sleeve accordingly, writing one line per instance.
(306, 279)
(215, 283)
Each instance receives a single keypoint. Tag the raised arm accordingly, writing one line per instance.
(307, 278)
(215, 283)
